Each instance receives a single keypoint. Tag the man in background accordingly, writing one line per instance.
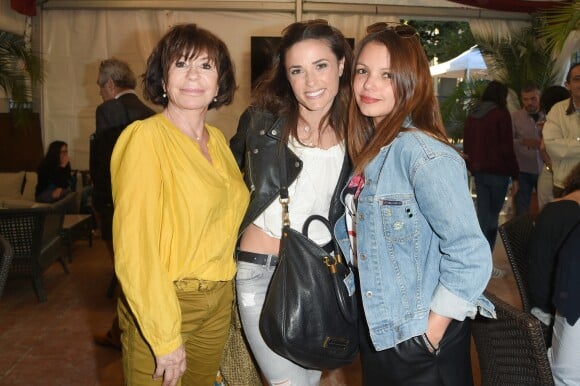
(120, 107)
(527, 131)
(562, 131)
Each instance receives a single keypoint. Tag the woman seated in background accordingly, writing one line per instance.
(553, 225)
(54, 174)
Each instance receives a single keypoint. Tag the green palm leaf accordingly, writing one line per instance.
(558, 22)
(19, 68)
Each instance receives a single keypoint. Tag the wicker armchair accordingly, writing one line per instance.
(511, 348)
(515, 235)
(5, 260)
(35, 236)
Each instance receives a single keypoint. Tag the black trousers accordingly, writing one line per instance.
(410, 363)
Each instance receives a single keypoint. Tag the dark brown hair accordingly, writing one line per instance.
(274, 93)
(190, 40)
(414, 98)
(495, 92)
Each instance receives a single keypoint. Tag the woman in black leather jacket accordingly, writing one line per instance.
(300, 103)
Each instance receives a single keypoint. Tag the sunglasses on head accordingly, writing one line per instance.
(403, 30)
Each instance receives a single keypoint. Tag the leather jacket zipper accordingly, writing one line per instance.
(249, 171)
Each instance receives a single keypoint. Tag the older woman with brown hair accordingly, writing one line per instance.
(179, 199)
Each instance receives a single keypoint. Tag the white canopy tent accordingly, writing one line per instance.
(73, 36)
(466, 65)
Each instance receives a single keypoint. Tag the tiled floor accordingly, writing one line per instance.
(50, 344)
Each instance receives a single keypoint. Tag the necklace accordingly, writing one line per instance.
(308, 139)
(196, 136)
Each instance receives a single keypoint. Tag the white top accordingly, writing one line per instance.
(309, 194)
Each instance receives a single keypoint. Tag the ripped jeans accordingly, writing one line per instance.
(252, 282)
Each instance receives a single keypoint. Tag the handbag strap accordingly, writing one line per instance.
(284, 199)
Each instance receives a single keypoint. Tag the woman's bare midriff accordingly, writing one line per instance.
(256, 240)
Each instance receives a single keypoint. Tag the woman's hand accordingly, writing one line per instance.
(171, 366)
(56, 193)
(514, 189)
(436, 327)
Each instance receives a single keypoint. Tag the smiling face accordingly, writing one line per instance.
(372, 85)
(192, 83)
(313, 72)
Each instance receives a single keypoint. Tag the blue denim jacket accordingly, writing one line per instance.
(419, 244)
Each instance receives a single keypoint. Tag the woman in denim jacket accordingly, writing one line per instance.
(410, 228)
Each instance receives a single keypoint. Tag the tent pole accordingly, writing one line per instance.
(298, 10)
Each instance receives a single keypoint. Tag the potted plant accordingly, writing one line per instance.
(20, 133)
(20, 70)
(512, 60)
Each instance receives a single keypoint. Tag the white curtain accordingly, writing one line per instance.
(75, 42)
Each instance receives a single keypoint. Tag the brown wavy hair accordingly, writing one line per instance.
(274, 93)
(414, 98)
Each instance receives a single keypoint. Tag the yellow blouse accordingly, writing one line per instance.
(176, 216)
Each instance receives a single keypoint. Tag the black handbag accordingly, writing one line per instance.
(309, 315)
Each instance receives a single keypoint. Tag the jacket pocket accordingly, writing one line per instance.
(399, 218)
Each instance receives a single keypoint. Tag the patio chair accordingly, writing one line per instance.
(511, 348)
(5, 260)
(35, 236)
(515, 235)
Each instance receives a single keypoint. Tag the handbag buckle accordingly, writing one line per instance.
(285, 215)
(330, 263)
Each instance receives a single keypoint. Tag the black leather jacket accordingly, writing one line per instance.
(256, 147)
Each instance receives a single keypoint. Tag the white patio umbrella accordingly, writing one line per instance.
(467, 64)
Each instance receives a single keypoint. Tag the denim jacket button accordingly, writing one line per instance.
(262, 132)
(363, 257)
(255, 151)
(361, 216)
(369, 294)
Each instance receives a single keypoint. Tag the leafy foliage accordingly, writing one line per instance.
(442, 39)
(19, 69)
(459, 104)
(557, 23)
(520, 59)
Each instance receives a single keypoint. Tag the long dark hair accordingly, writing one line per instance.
(188, 39)
(51, 160)
(414, 98)
(553, 95)
(495, 92)
(274, 93)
